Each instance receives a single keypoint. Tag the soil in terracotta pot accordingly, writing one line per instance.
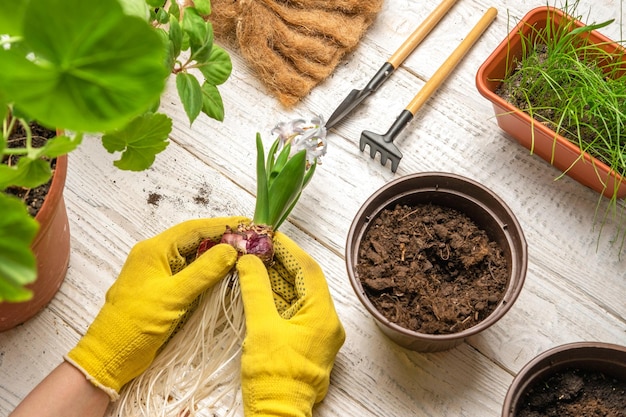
(430, 269)
(575, 393)
(33, 197)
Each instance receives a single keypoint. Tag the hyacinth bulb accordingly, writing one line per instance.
(247, 239)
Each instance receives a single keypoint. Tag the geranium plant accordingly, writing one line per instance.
(92, 68)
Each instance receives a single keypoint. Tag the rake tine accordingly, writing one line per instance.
(383, 144)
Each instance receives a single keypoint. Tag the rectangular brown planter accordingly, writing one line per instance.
(534, 135)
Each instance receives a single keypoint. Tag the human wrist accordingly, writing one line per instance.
(105, 353)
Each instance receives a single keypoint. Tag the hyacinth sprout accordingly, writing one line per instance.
(281, 177)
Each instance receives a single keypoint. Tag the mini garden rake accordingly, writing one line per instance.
(383, 144)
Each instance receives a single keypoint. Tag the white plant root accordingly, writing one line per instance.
(198, 371)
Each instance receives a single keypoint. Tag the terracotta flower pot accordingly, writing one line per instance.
(481, 205)
(535, 136)
(607, 358)
(52, 251)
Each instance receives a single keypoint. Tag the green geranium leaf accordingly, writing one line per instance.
(174, 10)
(218, 67)
(137, 8)
(200, 35)
(29, 173)
(60, 145)
(162, 16)
(190, 94)
(93, 76)
(11, 17)
(202, 53)
(139, 141)
(155, 3)
(203, 7)
(194, 26)
(175, 36)
(212, 104)
(18, 266)
(170, 55)
(4, 112)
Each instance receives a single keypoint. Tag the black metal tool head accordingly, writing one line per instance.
(383, 144)
(347, 105)
(357, 96)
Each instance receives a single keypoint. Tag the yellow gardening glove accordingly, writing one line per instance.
(154, 290)
(292, 333)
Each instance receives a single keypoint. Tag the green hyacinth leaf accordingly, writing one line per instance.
(286, 188)
(261, 210)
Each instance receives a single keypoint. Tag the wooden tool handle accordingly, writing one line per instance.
(420, 33)
(451, 62)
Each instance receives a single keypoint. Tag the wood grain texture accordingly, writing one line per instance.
(576, 281)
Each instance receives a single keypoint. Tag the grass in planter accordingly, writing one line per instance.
(575, 88)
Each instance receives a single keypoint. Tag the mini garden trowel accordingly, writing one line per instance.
(357, 96)
(384, 143)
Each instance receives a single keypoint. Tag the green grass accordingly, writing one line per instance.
(575, 88)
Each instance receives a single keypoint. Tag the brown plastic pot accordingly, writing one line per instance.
(52, 251)
(607, 358)
(481, 205)
(535, 136)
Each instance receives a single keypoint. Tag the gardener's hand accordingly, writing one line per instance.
(153, 292)
(293, 333)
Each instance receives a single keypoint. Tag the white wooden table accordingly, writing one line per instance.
(576, 282)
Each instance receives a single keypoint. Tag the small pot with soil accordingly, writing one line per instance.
(435, 258)
(575, 379)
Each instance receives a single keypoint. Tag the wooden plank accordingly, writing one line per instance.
(575, 284)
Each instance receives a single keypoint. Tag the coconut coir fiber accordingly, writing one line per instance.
(292, 45)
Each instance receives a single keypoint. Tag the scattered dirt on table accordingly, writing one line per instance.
(202, 197)
(32, 197)
(575, 393)
(430, 269)
(154, 198)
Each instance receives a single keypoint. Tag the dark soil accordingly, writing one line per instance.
(430, 269)
(32, 197)
(575, 393)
